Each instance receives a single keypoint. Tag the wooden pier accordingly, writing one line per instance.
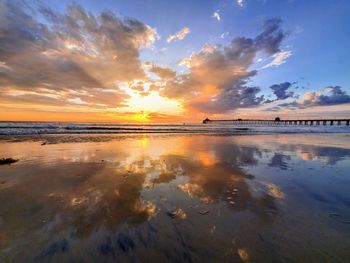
(278, 121)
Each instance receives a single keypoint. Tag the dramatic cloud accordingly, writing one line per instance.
(280, 90)
(179, 35)
(332, 95)
(76, 60)
(216, 15)
(75, 57)
(279, 59)
(218, 76)
(163, 73)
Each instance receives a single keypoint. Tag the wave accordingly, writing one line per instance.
(21, 128)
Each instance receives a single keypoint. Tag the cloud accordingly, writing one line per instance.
(69, 55)
(218, 76)
(223, 35)
(179, 35)
(216, 15)
(240, 3)
(270, 39)
(163, 73)
(280, 90)
(279, 59)
(162, 50)
(331, 95)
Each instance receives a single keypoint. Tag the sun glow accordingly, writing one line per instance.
(153, 103)
(142, 116)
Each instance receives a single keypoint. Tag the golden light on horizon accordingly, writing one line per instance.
(142, 116)
(153, 103)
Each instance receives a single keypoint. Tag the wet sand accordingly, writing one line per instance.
(175, 198)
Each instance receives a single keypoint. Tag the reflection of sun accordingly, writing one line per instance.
(144, 142)
(206, 158)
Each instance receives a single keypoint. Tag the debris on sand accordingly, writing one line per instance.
(243, 254)
(212, 230)
(177, 213)
(44, 143)
(204, 212)
(7, 161)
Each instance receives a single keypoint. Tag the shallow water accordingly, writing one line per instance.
(176, 198)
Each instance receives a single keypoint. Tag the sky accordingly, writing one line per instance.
(173, 61)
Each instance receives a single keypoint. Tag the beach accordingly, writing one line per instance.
(175, 197)
(174, 131)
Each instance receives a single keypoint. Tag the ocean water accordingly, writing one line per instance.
(31, 128)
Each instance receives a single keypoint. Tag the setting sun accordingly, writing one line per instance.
(142, 116)
(153, 103)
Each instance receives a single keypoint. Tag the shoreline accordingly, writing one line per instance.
(333, 139)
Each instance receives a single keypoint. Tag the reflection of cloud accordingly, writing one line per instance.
(88, 202)
(307, 147)
(275, 191)
(147, 208)
(236, 154)
(191, 189)
(92, 196)
(195, 190)
(178, 213)
(331, 155)
(220, 181)
(279, 160)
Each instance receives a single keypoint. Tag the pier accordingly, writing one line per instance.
(278, 121)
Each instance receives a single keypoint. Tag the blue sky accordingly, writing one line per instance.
(313, 55)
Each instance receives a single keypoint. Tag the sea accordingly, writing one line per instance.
(33, 128)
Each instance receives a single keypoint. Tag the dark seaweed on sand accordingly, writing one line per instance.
(7, 161)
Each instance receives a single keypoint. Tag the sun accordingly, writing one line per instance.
(146, 108)
(153, 103)
(142, 116)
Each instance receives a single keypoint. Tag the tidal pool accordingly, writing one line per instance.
(176, 198)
